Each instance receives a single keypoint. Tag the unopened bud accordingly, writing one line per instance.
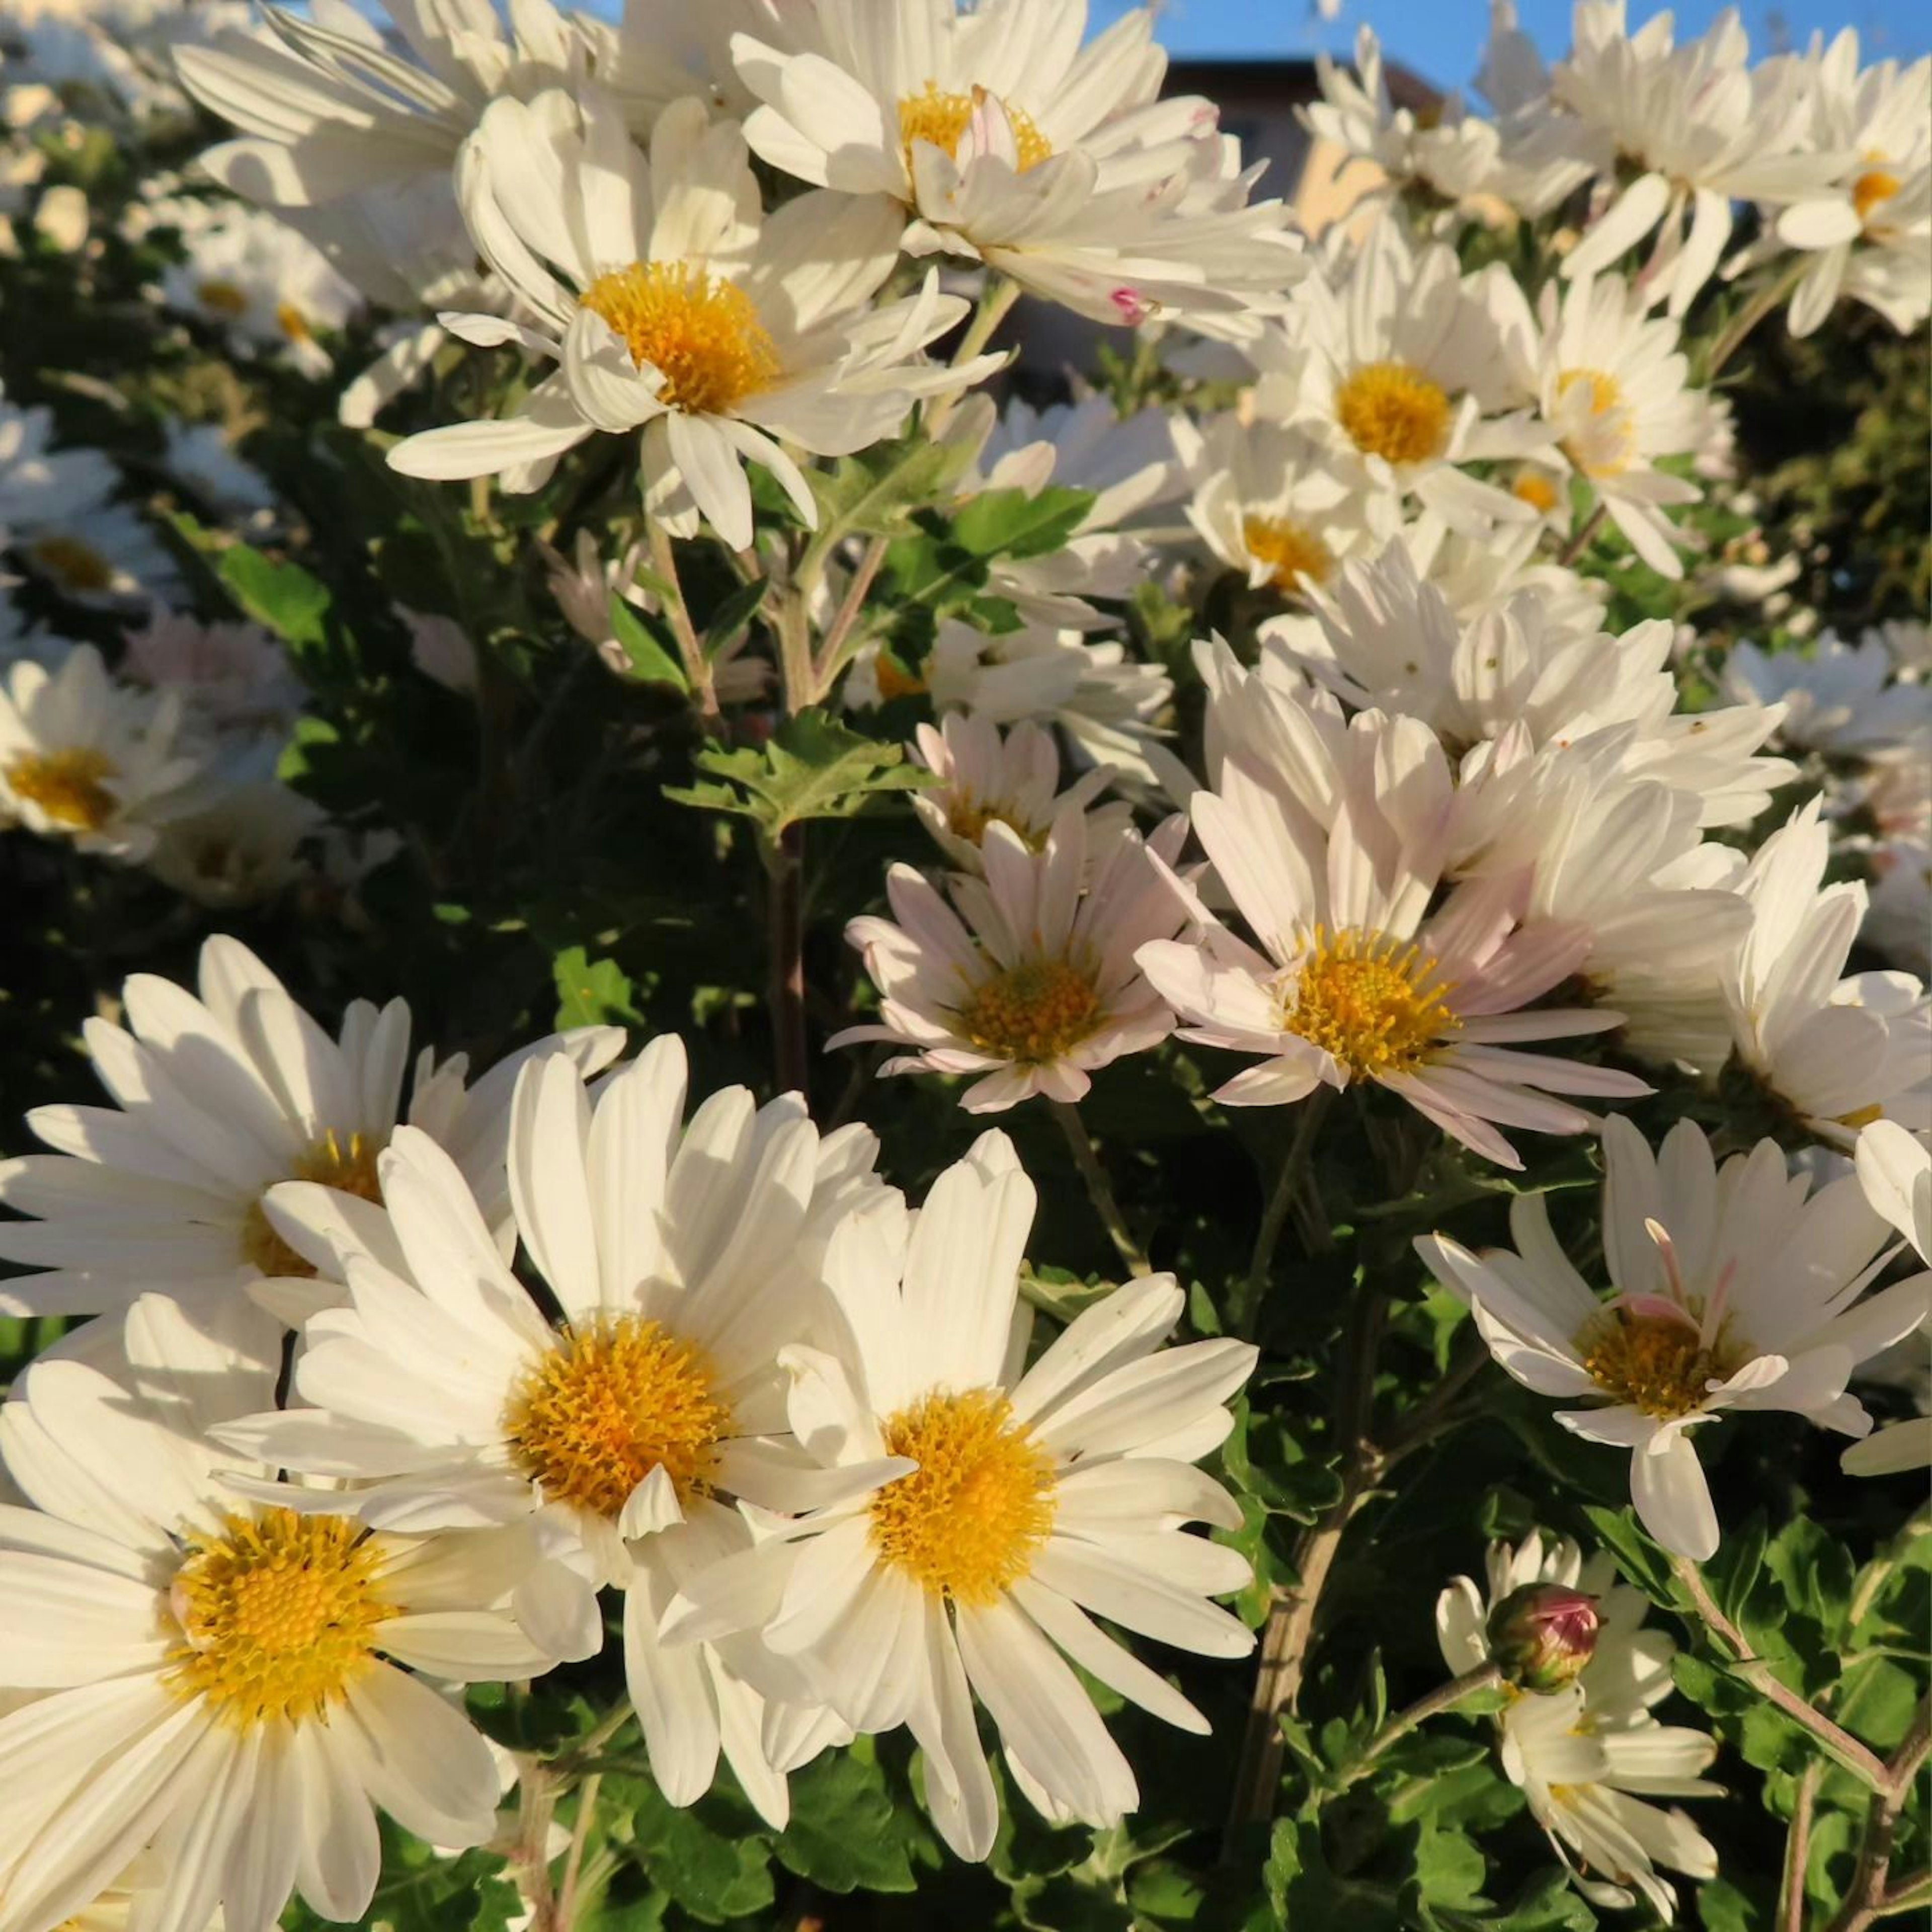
(1542, 1636)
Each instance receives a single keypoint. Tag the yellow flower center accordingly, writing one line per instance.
(1601, 427)
(277, 1616)
(701, 334)
(1295, 556)
(69, 786)
(1655, 1362)
(1392, 410)
(969, 1521)
(1534, 487)
(292, 322)
(224, 297)
(1871, 189)
(943, 119)
(1032, 1012)
(1374, 1002)
(967, 817)
(347, 1165)
(610, 1403)
(72, 564)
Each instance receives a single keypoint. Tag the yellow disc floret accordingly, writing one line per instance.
(1872, 190)
(277, 1615)
(1600, 426)
(702, 333)
(1295, 556)
(1377, 1005)
(344, 1161)
(1658, 1363)
(613, 1401)
(73, 564)
(224, 297)
(943, 118)
(968, 1523)
(1032, 1012)
(71, 786)
(1393, 410)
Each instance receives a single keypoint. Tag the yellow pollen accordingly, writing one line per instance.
(292, 322)
(1394, 411)
(969, 1521)
(70, 787)
(1533, 487)
(74, 564)
(1603, 441)
(967, 817)
(1295, 555)
(1871, 190)
(612, 1402)
(1032, 1013)
(277, 1616)
(1374, 1002)
(347, 1165)
(943, 120)
(224, 297)
(1862, 1117)
(702, 334)
(1655, 1362)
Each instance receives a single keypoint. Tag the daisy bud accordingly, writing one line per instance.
(1543, 1635)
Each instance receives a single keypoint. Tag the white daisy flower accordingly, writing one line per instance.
(202, 457)
(1445, 151)
(1735, 1288)
(1274, 504)
(1040, 1499)
(1030, 983)
(244, 847)
(236, 676)
(682, 311)
(1835, 1052)
(39, 484)
(682, 1257)
(1898, 918)
(1623, 857)
(989, 777)
(262, 286)
(1006, 140)
(1130, 464)
(1388, 639)
(1675, 133)
(1838, 697)
(223, 1672)
(1894, 1168)
(85, 758)
(1331, 841)
(1868, 230)
(1611, 383)
(99, 555)
(217, 1099)
(1396, 360)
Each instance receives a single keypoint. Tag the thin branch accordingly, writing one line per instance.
(697, 665)
(831, 658)
(1836, 1741)
(1797, 1850)
(995, 300)
(1485, 1676)
(1580, 542)
(1748, 317)
(573, 1865)
(1244, 1313)
(1866, 1899)
(1099, 1190)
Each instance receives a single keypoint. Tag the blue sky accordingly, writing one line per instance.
(1441, 39)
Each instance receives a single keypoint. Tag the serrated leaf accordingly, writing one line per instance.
(592, 992)
(732, 617)
(1016, 524)
(651, 661)
(706, 1858)
(845, 1832)
(874, 492)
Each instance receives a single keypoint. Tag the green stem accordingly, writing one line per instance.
(1100, 1190)
(1748, 317)
(1580, 542)
(996, 301)
(1485, 1676)
(580, 1836)
(1866, 1899)
(1797, 1851)
(1245, 1313)
(697, 665)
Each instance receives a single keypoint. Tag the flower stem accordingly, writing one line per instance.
(697, 665)
(996, 300)
(1245, 1312)
(1797, 1851)
(1746, 320)
(1866, 1899)
(573, 1865)
(831, 658)
(1836, 1742)
(1485, 1676)
(1580, 542)
(1100, 1190)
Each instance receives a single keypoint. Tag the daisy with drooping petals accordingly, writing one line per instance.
(1586, 1756)
(1895, 1171)
(217, 1099)
(1393, 360)
(1835, 1053)
(1001, 138)
(1736, 1288)
(1868, 232)
(1030, 985)
(989, 777)
(1331, 841)
(682, 1257)
(85, 758)
(229, 1678)
(679, 309)
(1036, 1501)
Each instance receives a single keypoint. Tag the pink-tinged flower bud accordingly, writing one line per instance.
(1543, 1635)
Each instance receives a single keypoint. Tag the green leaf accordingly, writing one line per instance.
(282, 596)
(709, 1857)
(812, 767)
(592, 992)
(1015, 523)
(1640, 1559)
(845, 1832)
(652, 663)
(732, 617)
(874, 492)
